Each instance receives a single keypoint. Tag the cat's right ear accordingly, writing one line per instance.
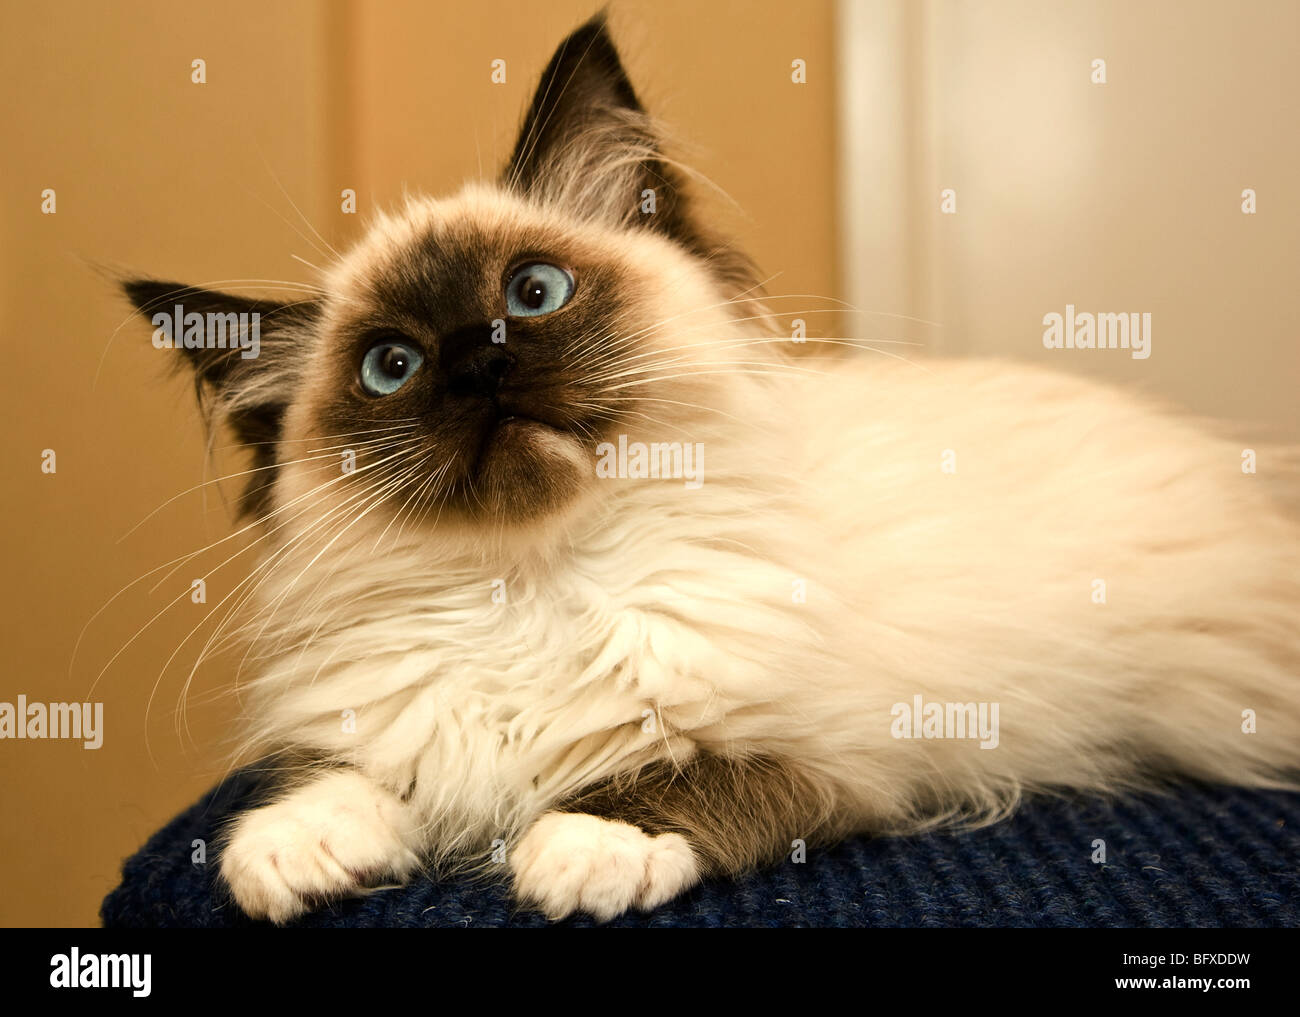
(243, 352)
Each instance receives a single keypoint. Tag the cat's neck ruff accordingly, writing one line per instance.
(493, 680)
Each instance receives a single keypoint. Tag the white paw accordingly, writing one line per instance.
(573, 862)
(335, 837)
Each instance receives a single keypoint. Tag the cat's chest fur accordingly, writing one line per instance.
(487, 693)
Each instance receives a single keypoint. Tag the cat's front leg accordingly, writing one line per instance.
(335, 836)
(638, 841)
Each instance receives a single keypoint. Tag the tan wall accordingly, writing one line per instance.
(199, 182)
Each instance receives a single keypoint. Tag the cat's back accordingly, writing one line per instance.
(974, 468)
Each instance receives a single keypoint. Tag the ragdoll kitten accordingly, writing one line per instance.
(478, 623)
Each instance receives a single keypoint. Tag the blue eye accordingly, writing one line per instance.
(536, 289)
(387, 366)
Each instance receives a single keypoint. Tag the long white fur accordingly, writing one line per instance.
(969, 586)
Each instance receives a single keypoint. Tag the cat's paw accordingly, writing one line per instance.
(336, 837)
(571, 862)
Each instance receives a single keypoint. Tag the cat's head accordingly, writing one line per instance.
(471, 353)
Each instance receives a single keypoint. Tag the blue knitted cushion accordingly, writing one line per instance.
(1202, 856)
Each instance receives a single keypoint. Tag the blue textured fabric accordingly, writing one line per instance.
(1201, 856)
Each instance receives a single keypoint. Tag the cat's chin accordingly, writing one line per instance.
(526, 470)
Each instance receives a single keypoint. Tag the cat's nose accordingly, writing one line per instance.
(472, 363)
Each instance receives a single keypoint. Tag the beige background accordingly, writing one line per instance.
(1116, 197)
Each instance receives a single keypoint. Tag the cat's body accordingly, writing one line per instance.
(633, 683)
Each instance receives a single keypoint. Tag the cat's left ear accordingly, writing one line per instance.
(588, 147)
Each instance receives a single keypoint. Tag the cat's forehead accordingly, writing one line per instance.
(444, 262)
(460, 242)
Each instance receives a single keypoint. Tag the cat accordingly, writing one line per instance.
(485, 634)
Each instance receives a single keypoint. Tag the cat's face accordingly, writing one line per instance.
(468, 355)
(502, 341)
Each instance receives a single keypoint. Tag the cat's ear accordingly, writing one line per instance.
(588, 147)
(243, 352)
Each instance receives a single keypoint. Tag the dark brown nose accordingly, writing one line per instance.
(472, 363)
